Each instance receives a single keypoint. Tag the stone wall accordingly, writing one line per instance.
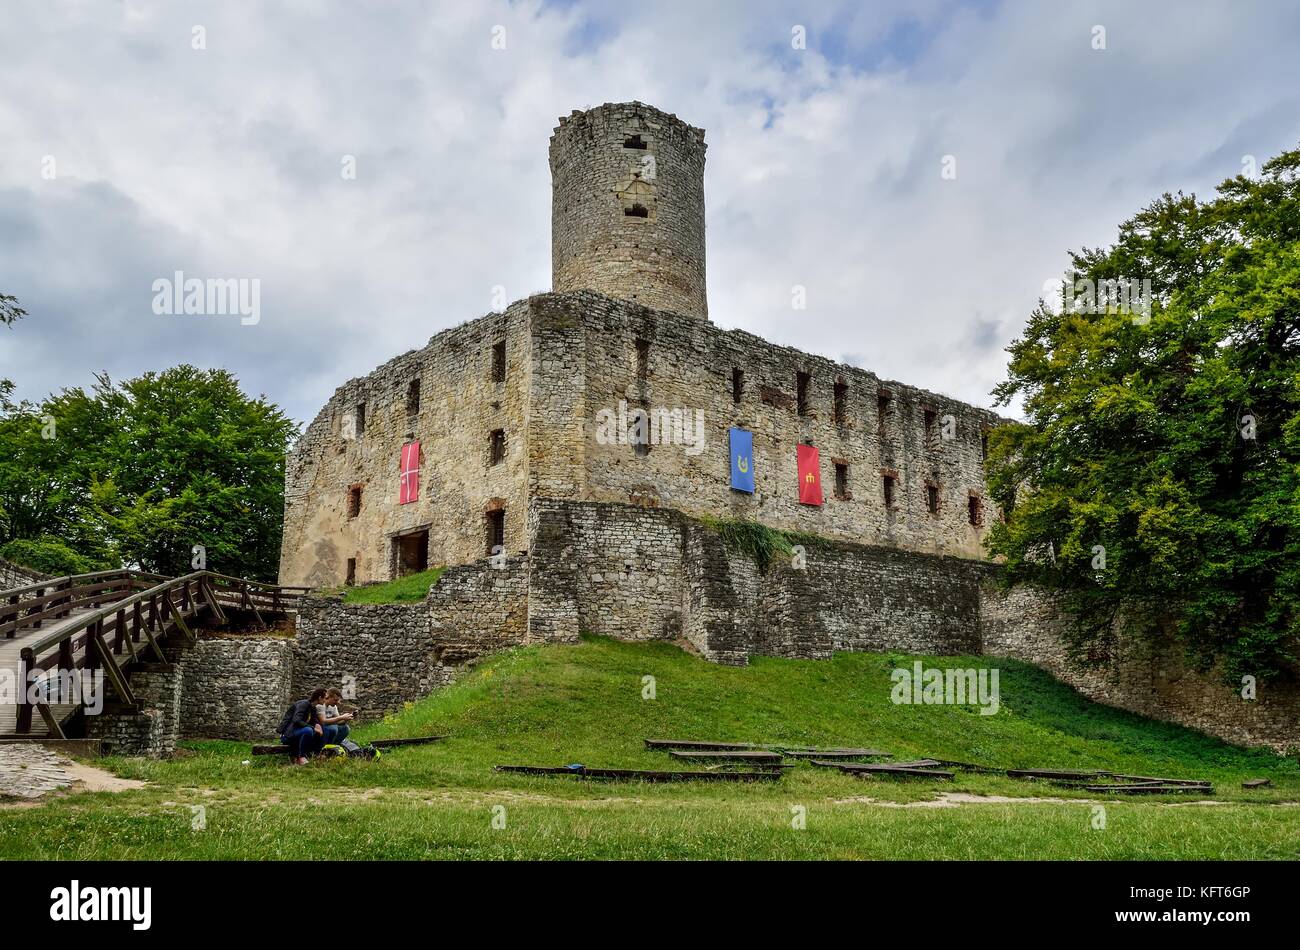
(461, 402)
(15, 575)
(153, 730)
(640, 573)
(631, 359)
(1149, 679)
(236, 687)
(397, 653)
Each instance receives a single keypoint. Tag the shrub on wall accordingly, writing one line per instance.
(46, 556)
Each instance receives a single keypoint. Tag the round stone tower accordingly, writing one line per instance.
(627, 207)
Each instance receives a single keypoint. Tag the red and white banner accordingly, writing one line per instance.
(810, 475)
(410, 486)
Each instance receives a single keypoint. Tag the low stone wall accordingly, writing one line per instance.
(647, 573)
(390, 654)
(153, 730)
(1152, 680)
(236, 687)
(15, 575)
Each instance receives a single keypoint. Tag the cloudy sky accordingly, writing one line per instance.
(126, 154)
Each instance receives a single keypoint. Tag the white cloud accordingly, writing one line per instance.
(823, 165)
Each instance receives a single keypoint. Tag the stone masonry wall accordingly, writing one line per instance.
(152, 731)
(15, 575)
(460, 405)
(630, 357)
(397, 653)
(1025, 623)
(640, 573)
(236, 687)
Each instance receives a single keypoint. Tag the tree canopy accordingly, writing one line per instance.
(1158, 476)
(139, 472)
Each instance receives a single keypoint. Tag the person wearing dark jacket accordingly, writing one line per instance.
(301, 730)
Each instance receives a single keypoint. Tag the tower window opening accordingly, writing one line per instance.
(634, 141)
(354, 501)
(737, 385)
(802, 381)
(497, 447)
(361, 419)
(932, 498)
(887, 484)
(975, 511)
(496, 531)
(636, 211)
(840, 398)
(351, 579)
(499, 361)
(883, 401)
(642, 359)
(413, 398)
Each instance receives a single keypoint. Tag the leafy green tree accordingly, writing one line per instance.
(1158, 477)
(140, 472)
(10, 313)
(47, 555)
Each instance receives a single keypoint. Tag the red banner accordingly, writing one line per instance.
(410, 485)
(810, 475)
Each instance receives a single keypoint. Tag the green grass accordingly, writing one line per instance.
(404, 590)
(584, 703)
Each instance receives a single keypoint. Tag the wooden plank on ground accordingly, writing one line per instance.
(413, 740)
(895, 772)
(694, 744)
(738, 755)
(1151, 789)
(642, 775)
(1055, 773)
(1256, 783)
(803, 753)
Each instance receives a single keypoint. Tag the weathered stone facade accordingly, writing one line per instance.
(1150, 679)
(15, 575)
(391, 654)
(154, 729)
(236, 687)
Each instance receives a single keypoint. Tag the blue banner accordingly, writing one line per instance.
(742, 460)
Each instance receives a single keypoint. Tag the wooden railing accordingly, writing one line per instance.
(26, 607)
(128, 618)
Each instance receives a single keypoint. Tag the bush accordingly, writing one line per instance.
(47, 555)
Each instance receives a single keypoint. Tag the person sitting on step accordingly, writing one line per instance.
(301, 729)
(332, 721)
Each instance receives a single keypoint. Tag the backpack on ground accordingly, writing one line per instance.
(359, 751)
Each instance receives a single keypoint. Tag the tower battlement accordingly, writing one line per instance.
(627, 207)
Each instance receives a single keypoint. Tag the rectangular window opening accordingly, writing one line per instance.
(975, 510)
(496, 531)
(801, 384)
(932, 498)
(413, 398)
(642, 358)
(361, 419)
(841, 397)
(883, 400)
(352, 572)
(354, 501)
(412, 552)
(931, 418)
(887, 484)
(842, 480)
(499, 362)
(737, 385)
(497, 447)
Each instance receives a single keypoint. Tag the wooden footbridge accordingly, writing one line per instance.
(54, 631)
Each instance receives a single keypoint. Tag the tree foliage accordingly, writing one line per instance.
(1158, 477)
(138, 473)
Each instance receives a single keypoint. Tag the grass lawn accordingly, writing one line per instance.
(584, 703)
(404, 590)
